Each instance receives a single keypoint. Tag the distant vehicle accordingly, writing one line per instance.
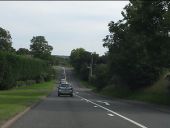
(65, 89)
(63, 81)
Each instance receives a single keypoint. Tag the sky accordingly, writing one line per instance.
(66, 25)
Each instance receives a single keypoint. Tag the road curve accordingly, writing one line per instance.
(89, 110)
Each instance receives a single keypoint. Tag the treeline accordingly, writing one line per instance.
(90, 66)
(24, 65)
(138, 47)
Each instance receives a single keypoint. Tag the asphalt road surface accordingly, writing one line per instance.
(88, 110)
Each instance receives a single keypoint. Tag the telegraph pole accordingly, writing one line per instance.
(91, 67)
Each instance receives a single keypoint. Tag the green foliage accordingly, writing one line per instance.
(139, 44)
(157, 93)
(5, 40)
(20, 68)
(100, 78)
(80, 60)
(54, 60)
(23, 51)
(40, 48)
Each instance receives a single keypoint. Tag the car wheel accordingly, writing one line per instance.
(58, 94)
(71, 95)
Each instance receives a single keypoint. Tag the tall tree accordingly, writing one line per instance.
(80, 60)
(138, 44)
(5, 40)
(40, 48)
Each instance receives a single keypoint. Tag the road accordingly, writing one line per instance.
(89, 110)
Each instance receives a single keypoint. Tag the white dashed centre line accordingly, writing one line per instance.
(110, 114)
(106, 103)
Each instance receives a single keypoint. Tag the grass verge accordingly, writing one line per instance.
(156, 94)
(87, 84)
(16, 100)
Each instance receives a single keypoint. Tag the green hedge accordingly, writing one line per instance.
(15, 68)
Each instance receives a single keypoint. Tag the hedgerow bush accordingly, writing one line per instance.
(15, 68)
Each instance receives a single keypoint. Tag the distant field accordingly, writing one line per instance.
(16, 100)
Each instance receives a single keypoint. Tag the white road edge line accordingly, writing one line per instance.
(113, 112)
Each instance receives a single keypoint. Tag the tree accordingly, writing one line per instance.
(23, 51)
(84, 63)
(5, 40)
(138, 44)
(80, 60)
(40, 48)
(100, 78)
